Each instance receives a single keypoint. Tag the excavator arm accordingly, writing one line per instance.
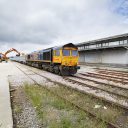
(4, 56)
(11, 50)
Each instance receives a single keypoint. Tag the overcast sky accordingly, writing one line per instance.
(29, 25)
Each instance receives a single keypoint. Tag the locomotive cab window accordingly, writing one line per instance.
(57, 53)
(66, 52)
(74, 53)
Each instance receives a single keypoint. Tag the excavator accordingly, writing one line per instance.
(4, 56)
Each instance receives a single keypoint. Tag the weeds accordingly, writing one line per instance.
(110, 113)
(17, 109)
(56, 113)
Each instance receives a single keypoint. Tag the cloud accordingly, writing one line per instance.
(30, 24)
(121, 7)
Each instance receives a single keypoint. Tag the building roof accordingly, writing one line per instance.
(107, 39)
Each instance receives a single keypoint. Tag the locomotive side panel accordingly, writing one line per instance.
(57, 56)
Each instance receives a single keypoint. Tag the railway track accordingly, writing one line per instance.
(102, 83)
(113, 94)
(114, 75)
(113, 71)
(106, 75)
(109, 124)
(88, 93)
(110, 78)
(106, 87)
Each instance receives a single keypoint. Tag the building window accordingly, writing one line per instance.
(80, 47)
(86, 47)
(105, 44)
(93, 46)
(114, 43)
(125, 41)
(98, 45)
(121, 42)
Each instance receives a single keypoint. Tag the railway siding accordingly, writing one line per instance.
(105, 86)
(66, 96)
(58, 80)
(98, 76)
(104, 96)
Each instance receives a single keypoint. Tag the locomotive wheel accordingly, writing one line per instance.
(51, 69)
(64, 72)
(39, 66)
(56, 71)
(72, 71)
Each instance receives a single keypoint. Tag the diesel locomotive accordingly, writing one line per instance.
(61, 60)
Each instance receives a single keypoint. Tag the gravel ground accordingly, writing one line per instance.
(23, 112)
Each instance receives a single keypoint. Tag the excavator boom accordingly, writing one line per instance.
(4, 56)
(11, 50)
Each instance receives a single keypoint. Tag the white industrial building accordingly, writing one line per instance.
(111, 51)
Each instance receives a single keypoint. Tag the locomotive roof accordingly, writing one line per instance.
(48, 49)
(66, 45)
(59, 47)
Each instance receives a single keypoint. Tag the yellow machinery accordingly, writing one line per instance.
(66, 57)
(3, 57)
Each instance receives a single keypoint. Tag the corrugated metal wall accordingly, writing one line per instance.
(81, 56)
(116, 56)
(106, 56)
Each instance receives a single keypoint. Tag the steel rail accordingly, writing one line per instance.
(97, 88)
(113, 73)
(103, 77)
(109, 70)
(119, 76)
(115, 77)
(98, 82)
(124, 96)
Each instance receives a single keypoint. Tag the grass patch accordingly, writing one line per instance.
(111, 113)
(17, 109)
(56, 113)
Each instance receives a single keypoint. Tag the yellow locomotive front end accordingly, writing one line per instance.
(66, 59)
(69, 57)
